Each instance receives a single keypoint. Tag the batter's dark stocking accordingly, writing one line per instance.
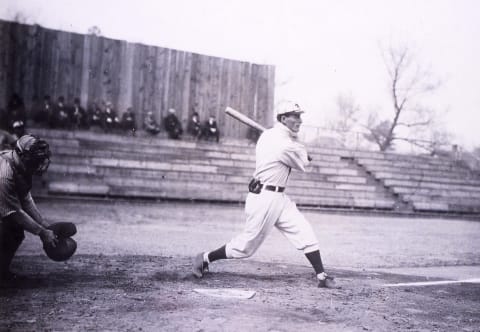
(316, 261)
(217, 254)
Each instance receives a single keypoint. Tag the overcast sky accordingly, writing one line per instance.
(320, 48)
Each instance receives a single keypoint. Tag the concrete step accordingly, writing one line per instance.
(427, 165)
(437, 192)
(197, 182)
(58, 170)
(442, 199)
(445, 207)
(346, 202)
(422, 178)
(374, 169)
(432, 186)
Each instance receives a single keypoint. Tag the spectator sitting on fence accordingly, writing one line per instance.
(60, 117)
(79, 115)
(112, 121)
(95, 115)
(211, 129)
(194, 127)
(15, 110)
(128, 121)
(173, 125)
(43, 113)
(150, 125)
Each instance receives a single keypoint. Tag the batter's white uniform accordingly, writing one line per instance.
(277, 152)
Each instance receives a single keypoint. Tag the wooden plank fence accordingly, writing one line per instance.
(35, 61)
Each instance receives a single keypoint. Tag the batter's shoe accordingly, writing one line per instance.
(325, 281)
(199, 266)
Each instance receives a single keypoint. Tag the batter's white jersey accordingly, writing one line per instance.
(277, 152)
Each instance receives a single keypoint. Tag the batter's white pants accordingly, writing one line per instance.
(265, 210)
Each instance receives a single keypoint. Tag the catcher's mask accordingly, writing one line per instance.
(34, 153)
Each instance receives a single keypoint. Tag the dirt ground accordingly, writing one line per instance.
(132, 269)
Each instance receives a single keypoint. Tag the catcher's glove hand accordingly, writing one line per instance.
(65, 246)
(63, 250)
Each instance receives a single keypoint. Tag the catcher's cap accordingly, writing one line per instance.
(289, 107)
(64, 249)
(33, 145)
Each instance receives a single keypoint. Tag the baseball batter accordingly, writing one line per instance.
(267, 205)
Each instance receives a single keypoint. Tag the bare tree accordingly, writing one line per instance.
(408, 84)
(347, 112)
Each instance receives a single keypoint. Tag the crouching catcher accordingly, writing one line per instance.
(18, 212)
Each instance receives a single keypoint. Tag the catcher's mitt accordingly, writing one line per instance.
(66, 246)
(63, 250)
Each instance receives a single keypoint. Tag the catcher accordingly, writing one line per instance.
(18, 211)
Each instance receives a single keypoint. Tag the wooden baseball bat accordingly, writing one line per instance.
(244, 119)
(249, 122)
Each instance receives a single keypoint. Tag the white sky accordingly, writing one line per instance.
(320, 48)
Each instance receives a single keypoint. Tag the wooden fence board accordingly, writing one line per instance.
(35, 61)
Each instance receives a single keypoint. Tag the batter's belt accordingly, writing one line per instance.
(255, 186)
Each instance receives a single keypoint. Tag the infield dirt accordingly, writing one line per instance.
(132, 271)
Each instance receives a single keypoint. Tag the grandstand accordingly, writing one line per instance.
(91, 164)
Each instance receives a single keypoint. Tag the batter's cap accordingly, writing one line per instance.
(288, 107)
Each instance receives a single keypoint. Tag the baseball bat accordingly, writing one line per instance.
(249, 122)
(244, 119)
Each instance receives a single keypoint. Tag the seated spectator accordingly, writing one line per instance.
(95, 115)
(211, 130)
(194, 127)
(150, 125)
(112, 121)
(18, 130)
(43, 112)
(173, 125)
(15, 110)
(60, 117)
(78, 115)
(128, 121)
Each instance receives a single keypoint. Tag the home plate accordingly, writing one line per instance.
(232, 293)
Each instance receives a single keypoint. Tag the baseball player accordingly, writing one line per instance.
(18, 211)
(267, 205)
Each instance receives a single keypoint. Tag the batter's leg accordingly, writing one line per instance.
(262, 210)
(300, 233)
